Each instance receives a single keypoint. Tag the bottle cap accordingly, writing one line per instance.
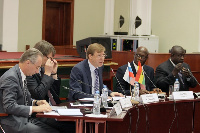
(97, 92)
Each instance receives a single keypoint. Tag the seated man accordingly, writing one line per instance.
(45, 85)
(167, 72)
(140, 55)
(86, 76)
(16, 100)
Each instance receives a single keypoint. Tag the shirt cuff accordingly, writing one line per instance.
(30, 113)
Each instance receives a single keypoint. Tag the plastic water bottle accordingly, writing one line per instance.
(96, 103)
(104, 96)
(136, 90)
(176, 85)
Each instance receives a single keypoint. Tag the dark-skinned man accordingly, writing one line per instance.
(167, 72)
(140, 55)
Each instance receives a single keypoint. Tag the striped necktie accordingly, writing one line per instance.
(25, 92)
(96, 87)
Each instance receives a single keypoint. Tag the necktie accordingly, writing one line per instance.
(181, 78)
(51, 98)
(25, 93)
(96, 87)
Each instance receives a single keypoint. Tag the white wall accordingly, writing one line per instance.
(1, 20)
(30, 23)
(10, 25)
(176, 22)
(88, 19)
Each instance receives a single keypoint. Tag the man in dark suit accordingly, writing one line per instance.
(45, 85)
(46, 82)
(15, 99)
(83, 75)
(167, 72)
(140, 55)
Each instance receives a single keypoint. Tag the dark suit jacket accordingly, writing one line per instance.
(164, 77)
(126, 86)
(39, 86)
(12, 101)
(81, 72)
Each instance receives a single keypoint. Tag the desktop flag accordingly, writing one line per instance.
(140, 76)
(128, 75)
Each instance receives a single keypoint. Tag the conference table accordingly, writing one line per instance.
(165, 116)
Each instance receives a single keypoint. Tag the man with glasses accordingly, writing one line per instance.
(86, 76)
(16, 100)
(167, 72)
(141, 55)
(45, 85)
(46, 81)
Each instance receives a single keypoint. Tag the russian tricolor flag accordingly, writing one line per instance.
(128, 75)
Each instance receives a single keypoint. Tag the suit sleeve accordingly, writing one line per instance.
(151, 76)
(191, 81)
(78, 93)
(11, 93)
(124, 84)
(39, 89)
(163, 79)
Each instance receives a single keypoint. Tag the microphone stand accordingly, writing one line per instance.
(149, 79)
(86, 84)
(78, 91)
(193, 76)
(118, 82)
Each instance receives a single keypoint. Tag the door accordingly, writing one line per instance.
(58, 19)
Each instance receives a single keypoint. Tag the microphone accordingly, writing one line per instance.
(149, 79)
(87, 84)
(193, 76)
(118, 82)
(78, 91)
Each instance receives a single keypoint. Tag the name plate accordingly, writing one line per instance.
(149, 98)
(117, 108)
(125, 102)
(180, 95)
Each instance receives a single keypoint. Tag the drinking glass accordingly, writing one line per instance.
(171, 89)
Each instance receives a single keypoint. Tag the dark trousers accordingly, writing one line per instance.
(33, 126)
(61, 126)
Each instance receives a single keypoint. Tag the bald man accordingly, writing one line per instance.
(167, 72)
(140, 55)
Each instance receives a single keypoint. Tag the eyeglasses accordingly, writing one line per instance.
(141, 56)
(102, 56)
(51, 58)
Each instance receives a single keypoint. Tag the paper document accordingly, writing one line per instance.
(51, 113)
(58, 107)
(81, 105)
(86, 99)
(69, 112)
(117, 98)
(99, 116)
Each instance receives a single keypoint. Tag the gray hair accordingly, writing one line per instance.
(30, 54)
